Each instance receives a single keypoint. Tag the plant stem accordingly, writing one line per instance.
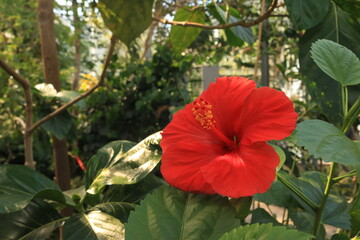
(227, 12)
(345, 100)
(330, 181)
(298, 192)
(349, 174)
(351, 116)
(324, 199)
(28, 138)
(293, 165)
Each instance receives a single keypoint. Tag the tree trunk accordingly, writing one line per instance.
(77, 53)
(48, 43)
(62, 168)
(52, 75)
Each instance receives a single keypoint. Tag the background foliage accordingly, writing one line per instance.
(154, 71)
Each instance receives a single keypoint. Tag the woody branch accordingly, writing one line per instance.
(242, 23)
(29, 126)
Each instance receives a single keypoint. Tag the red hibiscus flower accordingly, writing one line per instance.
(217, 144)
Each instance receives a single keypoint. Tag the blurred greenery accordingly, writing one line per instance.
(156, 70)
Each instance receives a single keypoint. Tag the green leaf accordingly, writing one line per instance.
(119, 210)
(122, 163)
(315, 178)
(340, 236)
(93, 225)
(126, 19)
(59, 125)
(342, 28)
(352, 7)
(20, 184)
(281, 154)
(75, 197)
(336, 212)
(36, 221)
(104, 158)
(241, 206)
(182, 37)
(133, 193)
(79, 192)
(264, 232)
(67, 96)
(324, 140)
(355, 220)
(312, 184)
(169, 213)
(336, 61)
(312, 193)
(304, 221)
(277, 195)
(259, 215)
(46, 89)
(243, 33)
(305, 14)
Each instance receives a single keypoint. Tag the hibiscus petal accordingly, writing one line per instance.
(181, 166)
(186, 148)
(244, 172)
(227, 96)
(184, 127)
(267, 114)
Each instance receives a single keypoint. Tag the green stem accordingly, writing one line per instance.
(349, 174)
(324, 199)
(293, 165)
(227, 12)
(345, 100)
(351, 116)
(297, 191)
(330, 182)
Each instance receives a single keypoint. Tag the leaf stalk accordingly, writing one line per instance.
(297, 191)
(320, 210)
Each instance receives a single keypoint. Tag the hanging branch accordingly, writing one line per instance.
(28, 143)
(242, 23)
(75, 100)
(29, 126)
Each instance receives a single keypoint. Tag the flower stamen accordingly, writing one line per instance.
(203, 113)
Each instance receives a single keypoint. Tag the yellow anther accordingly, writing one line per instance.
(203, 113)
